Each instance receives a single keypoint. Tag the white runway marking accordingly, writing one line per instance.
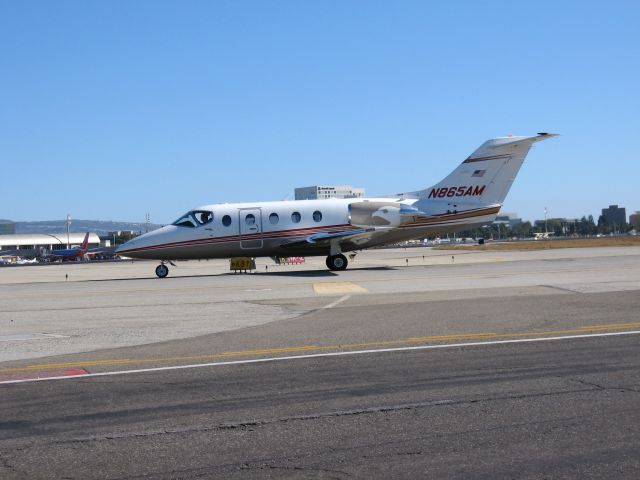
(340, 300)
(25, 337)
(333, 354)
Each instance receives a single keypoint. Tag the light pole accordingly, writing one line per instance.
(546, 232)
(68, 224)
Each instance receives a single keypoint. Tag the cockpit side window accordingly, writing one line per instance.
(194, 218)
(203, 216)
(186, 220)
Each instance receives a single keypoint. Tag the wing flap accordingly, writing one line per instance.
(321, 238)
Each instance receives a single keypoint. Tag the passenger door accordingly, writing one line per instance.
(250, 222)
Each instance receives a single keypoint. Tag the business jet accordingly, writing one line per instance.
(469, 197)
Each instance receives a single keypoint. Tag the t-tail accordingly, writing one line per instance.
(483, 179)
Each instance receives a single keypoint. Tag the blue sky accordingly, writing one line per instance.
(109, 110)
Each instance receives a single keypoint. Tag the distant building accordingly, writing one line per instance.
(7, 227)
(318, 192)
(614, 215)
(50, 242)
(634, 220)
(565, 225)
(511, 219)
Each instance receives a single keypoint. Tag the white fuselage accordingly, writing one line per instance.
(279, 229)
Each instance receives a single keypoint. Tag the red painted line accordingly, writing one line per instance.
(70, 372)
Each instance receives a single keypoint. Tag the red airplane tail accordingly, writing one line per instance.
(85, 243)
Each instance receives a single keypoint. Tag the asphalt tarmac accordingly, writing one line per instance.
(514, 365)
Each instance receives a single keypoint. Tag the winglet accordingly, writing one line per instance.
(543, 136)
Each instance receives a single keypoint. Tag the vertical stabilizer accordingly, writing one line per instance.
(486, 176)
(85, 243)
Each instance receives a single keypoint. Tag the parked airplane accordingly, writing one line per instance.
(73, 253)
(27, 261)
(543, 235)
(469, 197)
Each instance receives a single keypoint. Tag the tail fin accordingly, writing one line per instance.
(85, 243)
(487, 175)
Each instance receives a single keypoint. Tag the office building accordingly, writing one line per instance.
(318, 192)
(614, 215)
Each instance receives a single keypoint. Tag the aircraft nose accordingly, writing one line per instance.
(132, 244)
(147, 245)
(124, 247)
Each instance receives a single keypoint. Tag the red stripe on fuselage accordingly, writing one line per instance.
(299, 232)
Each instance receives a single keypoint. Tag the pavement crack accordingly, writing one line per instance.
(562, 289)
(247, 424)
(419, 452)
(619, 388)
(590, 384)
(250, 425)
(338, 413)
(264, 466)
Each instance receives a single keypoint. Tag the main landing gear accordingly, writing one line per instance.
(337, 262)
(162, 270)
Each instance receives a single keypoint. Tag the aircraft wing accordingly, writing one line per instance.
(361, 235)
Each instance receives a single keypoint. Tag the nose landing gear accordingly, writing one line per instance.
(162, 270)
(337, 262)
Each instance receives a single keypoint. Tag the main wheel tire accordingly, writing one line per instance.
(337, 262)
(162, 270)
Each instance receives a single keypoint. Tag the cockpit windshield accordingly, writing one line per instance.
(194, 218)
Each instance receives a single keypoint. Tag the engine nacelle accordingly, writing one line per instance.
(375, 214)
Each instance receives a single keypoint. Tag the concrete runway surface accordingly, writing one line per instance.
(410, 364)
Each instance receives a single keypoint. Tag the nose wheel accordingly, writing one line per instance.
(337, 262)
(162, 270)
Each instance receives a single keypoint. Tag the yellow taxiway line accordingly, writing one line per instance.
(338, 347)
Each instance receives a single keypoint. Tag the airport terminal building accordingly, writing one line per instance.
(30, 243)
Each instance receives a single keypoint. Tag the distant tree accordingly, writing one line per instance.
(586, 226)
(522, 230)
(124, 237)
(603, 226)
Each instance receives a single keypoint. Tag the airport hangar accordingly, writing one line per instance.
(31, 243)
